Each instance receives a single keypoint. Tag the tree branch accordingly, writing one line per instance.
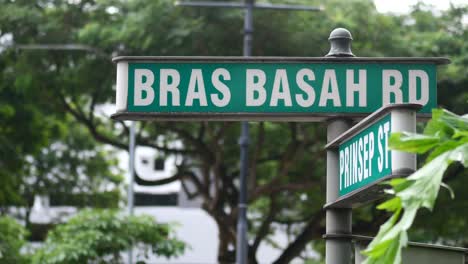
(270, 189)
(201, 189)
(311, 230)
(257, 152)
(141, 141)
(265, 226)
(187, 191)
(81, 117)
(286, 161)
(92, 129)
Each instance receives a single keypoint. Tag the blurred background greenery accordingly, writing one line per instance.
(57, 140)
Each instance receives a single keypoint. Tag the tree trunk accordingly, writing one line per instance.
(225, 255)
(252, 258)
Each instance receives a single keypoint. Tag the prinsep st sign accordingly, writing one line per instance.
(364, 157)
(291, 89)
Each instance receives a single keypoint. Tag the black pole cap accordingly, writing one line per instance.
(340, 43)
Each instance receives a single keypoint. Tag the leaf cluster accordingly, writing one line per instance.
(445, 140)
(12, 239)
(101, 235)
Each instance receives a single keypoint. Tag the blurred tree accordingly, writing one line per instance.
(99, 236)
(45, 151)
(284, 164)
(72, 170)
(12, 239)
(24, 129)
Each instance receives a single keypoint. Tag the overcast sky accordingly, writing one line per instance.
(403, 6)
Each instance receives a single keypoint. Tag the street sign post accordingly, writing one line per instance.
(365, 159)
(336, 89)
(288, 89)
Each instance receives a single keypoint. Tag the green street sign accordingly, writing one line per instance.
(364, 157)
(291, 89)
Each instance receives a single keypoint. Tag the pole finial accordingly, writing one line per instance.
(340, 43)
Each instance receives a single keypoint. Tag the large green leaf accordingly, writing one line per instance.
(411, 142)
(422, 187)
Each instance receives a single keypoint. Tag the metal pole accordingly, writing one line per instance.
(242, 249)
(338, 248)
(248, 27)
(338, 220)
(131, 178)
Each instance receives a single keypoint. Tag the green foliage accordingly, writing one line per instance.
(89, 169)
(101, 235)
(445, 139)
(49, 97)
(12, 239)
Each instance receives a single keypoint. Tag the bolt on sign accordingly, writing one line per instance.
(290, 89)
(364, 157)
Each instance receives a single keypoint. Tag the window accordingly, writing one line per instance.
(147, 199)
(159, 164)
